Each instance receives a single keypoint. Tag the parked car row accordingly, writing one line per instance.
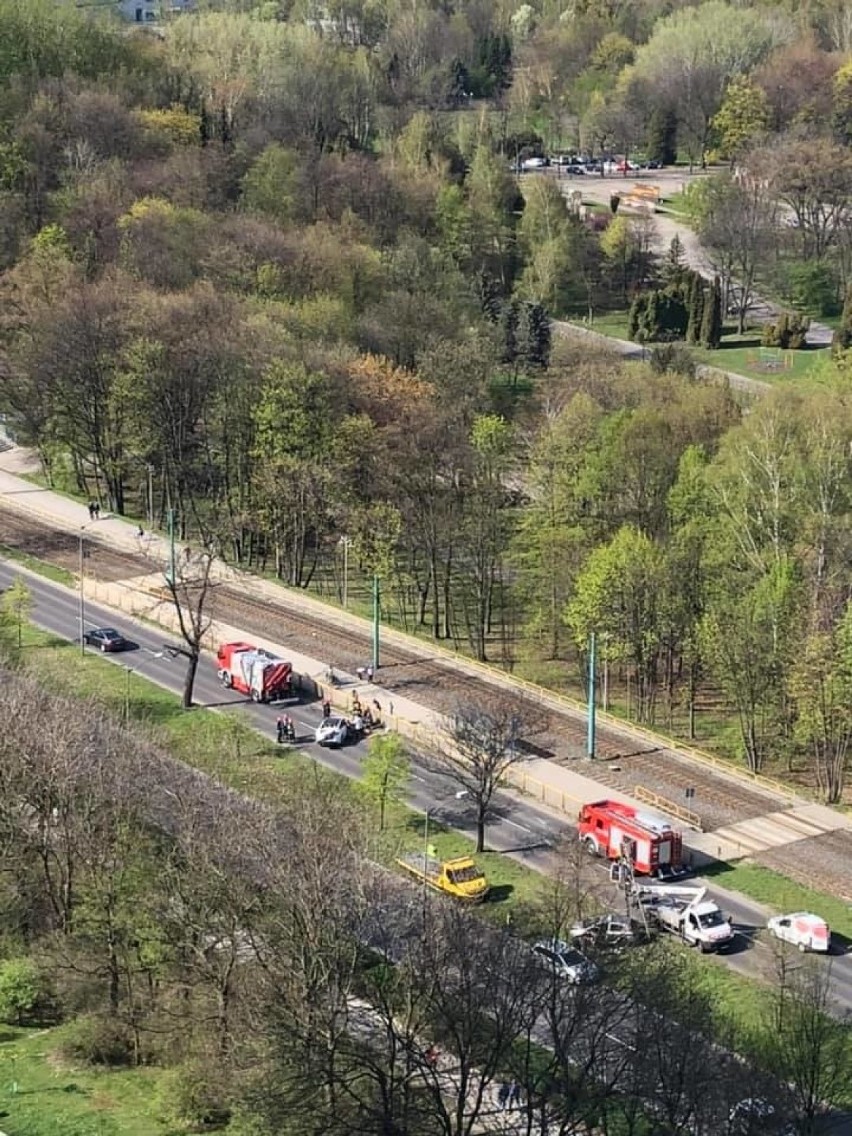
(578, 164)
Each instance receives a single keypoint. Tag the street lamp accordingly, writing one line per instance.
(377, 607)
(82, 610)
(128, 673)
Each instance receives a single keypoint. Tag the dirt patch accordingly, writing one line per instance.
(63, 549)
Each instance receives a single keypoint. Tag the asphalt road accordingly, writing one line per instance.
(519, 828)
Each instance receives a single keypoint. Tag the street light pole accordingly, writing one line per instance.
(344, 540)
(376, 613)
(592, 676)
(150, 470)
(129, 672)
(82, 609)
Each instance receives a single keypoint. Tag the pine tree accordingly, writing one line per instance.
(695, 307)
(636, 315)
(711, 322)
(510, 332)
(537, 337)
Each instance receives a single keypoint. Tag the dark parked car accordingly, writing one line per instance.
(105, 639)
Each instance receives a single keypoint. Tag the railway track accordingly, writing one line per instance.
(558, 736)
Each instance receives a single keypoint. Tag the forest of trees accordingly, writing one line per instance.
(272, 268)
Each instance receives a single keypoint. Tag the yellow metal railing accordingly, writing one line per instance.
(666, 806)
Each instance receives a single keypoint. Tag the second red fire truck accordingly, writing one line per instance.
(620, 831)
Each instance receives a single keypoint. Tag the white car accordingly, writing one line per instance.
(605, 930)
(805, 931)
(566, 961)
(533, 163)
(332, 732)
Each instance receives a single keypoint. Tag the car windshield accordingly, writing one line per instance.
(571, 958)
(712, 919)
(331, 723)
(464, 875)
(108, 633)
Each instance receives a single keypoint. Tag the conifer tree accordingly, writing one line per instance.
(711, 321)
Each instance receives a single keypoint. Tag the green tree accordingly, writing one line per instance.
(385, 772)
(21, 988)
(550, 543)
(620, 594)
(693, 54)
(695, 318)
(17, 603)
(821, 688)
(271, 185)
(294, 432)
(742, 118)
(747, 640)
(841, 118)
(711, 321)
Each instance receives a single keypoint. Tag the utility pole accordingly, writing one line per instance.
(376, 614)
(590, 747)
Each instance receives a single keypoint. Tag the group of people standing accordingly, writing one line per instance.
(286, 729)
(94, 511)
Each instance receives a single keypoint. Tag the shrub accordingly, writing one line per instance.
(674, 358)
(194, 1097)
(95, 1040)
(22, 989)
(789, 332)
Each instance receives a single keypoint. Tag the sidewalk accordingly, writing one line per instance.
(558, 787)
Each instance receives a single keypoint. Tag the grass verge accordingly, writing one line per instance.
(41, 567)
(783, 895)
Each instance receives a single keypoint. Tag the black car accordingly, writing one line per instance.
(105, 639)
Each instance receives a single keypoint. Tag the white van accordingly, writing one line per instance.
(805, 931)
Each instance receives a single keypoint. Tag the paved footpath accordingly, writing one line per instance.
(787, 818)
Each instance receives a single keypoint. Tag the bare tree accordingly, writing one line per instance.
(482, 745)
(190, 585)
(807, 1043)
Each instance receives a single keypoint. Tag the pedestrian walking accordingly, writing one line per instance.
(97, 511)
(432, 1054)
(326, 708)
(503, 1095)
(390, 709)
(359, 671)
(514, 1100)
(280, 727)
(91, 510)
(369, 674)
(140, 532)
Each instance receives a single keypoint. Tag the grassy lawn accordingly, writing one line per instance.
(613, 324)
(743, 354)
(55, 1100)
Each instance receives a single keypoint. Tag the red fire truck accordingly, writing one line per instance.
(255, 672)
(616, 830)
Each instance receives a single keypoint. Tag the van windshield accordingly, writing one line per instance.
(712, 919)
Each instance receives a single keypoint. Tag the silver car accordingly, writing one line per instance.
(566, 961)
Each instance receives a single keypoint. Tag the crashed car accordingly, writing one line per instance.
(333, 732)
